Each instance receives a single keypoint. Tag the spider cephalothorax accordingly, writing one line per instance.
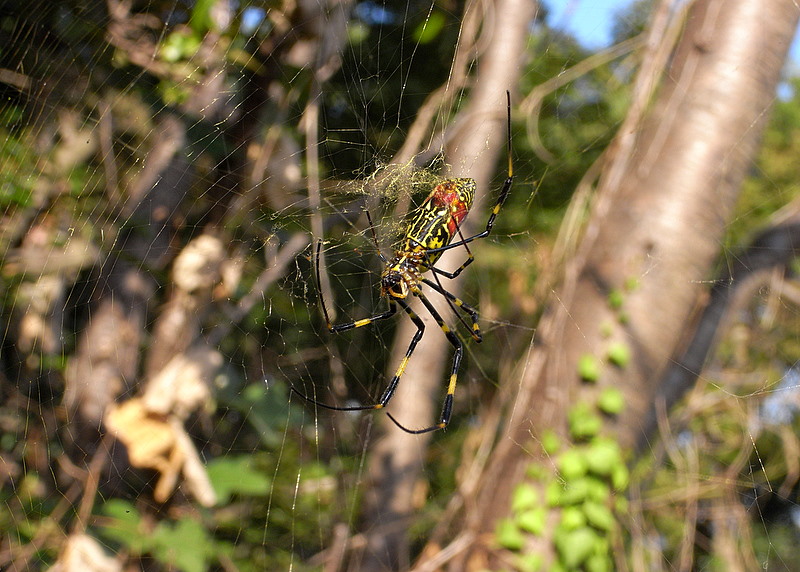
(429, 233)
(402, 274)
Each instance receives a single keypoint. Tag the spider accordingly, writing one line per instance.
(425, 239)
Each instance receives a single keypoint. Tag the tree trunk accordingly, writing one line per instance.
(651, 239)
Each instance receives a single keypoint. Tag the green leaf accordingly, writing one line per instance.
(599, 563)
(508, 535)
(533, 520)
(575, 492)
(599, 490)
(603, 456)
(12, 194)
(589, 368)
(429, 30)
(553, 492)
(620, 477)
(615, 299)
(575, 546)
(611, 401)
(179, 45)
(632, 284)
(572, 464)
(357, 32)
(124, 525)
(619, 354)
(583, 422)
(572, 518)
(536, 472)
(551, 443)
(201, 19)
(529, 562)
(236, 475)
(525, 496)
(186, 546)
(598, 515)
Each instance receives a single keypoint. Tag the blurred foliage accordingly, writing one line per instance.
(773, 182)
(282, 487)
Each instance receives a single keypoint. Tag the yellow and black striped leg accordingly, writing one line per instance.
(457, 271)
(452, 300)
(475, 330)
(390, 389)
(447, 407)
(336, 328)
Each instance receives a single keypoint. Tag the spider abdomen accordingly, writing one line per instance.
(439, 217)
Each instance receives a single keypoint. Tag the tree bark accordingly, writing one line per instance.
(653, 235)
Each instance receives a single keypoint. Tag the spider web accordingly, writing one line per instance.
(159, 239)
